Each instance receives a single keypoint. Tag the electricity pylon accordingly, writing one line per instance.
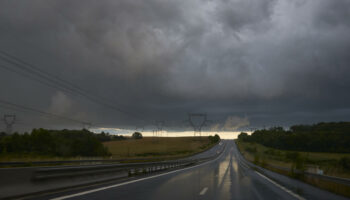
(9, 120)
(159, 126)
(197, 127)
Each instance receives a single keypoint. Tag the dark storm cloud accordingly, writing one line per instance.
(244, 14)
(270, 61)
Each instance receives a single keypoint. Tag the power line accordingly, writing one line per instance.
(91, 97)
(53, 81)
(41, 112)
(19, 109)
(34, 78)
(86, 125)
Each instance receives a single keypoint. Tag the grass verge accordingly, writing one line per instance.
(287, 162)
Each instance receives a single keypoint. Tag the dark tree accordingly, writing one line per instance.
(137, 135)
(214, 139)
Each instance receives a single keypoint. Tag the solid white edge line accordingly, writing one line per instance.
(134, 181)
(242, 165)
(203, 191)
(281, 187)
(273, 182)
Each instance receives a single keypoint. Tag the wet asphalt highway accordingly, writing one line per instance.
(226, 177)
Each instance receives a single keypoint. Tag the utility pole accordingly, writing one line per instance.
(9, 120)
(197, 127)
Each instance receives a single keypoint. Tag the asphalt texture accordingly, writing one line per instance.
(226, 177)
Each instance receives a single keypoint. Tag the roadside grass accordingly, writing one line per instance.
(148, 147)
(155, 147)
(278, 160)
(328, 162)
(139, 150)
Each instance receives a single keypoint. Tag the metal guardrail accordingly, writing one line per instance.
(131, 169)
(78, 162)
(36, 180)
(47, 173)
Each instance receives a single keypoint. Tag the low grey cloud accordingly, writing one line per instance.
(232, 123)
(274, 61)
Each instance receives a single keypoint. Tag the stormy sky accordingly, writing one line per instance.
(246, 63)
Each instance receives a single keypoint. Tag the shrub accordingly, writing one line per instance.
(292, 156)
(270, 152)
(256, 159)
(251, 149)
(344, 162)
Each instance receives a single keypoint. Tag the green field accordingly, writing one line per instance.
(151, 147)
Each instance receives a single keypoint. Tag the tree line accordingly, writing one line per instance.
(322, 137)
(61, 143)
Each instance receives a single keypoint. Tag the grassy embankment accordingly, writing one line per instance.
(158, 147)
(272, 159)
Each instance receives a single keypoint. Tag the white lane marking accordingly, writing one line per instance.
(134, 181)
(240, 164)
(203, 191)
(246, 166)
(281, 187)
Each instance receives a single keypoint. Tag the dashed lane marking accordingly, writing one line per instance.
(203, 191)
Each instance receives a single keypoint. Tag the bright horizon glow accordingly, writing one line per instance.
(117, 131)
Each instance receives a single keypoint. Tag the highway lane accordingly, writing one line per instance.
(223, 178)
(208, 153)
